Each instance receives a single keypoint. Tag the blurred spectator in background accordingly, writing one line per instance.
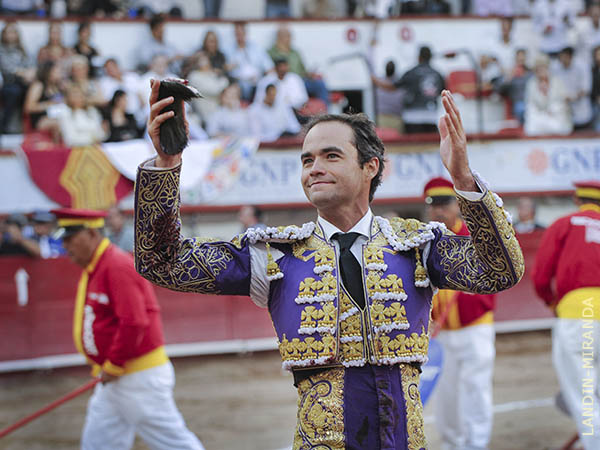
(514, 85)
(546, 103)
(274, 117)
(412, 7)
(149, 8)
(504, 50)
(492, 7)
(552, 20)
(17, 72)
(389, 104)
(80, 123)
(437, 7)
(423, 86)
(323, 9)
(588, 36)
(315, 86)
(84, 48)
(80, 76)
(595, 94)
(116, 79)
(525, 222)
(44, 93)
(118, 230)
(158, 70)
(99, 8)
(12, 241)
(212, 8)
(230, 118)
(578, 86)
(249, 62)
(209, 82)
(43, 223)
(277, 9)
(290, 87)
(121, 125)
(157, 46)
(54, 50)
(250, 216)
(21, 7)
(210, 46)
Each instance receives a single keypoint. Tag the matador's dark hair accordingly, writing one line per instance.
(366, 141)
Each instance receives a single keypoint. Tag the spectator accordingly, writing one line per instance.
(21, 7)
(158, 70)
(526, 216)
(274, 118)
(118, 231)
(250, 216)
(12, 241)
(514, 85)
(212, 8)
(290, 87)
(230, 118)
(323, 9)
(546, 104)
(158, 46)
(389, 104)
(210, 46)
(208, 81)
(54, 50)
(492, 8)
(17, 72)
(589, 37)
(276, 9)
(80, 75)
(412, 6)
(43, 226)
(80, 123)
(249, 62)
(154, 7)
(121, 125)
(437, 7)
(423, 86)
(504, 51)
(116, 79)
(552, 20)
(99, 8)
(44, 93)
(282, 48)
(595, 94)
(578, 86)
(84, 48)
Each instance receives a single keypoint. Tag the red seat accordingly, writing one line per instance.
(464, 82)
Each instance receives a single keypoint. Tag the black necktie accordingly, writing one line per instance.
(350, 268)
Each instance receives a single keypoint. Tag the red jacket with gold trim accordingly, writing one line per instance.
(569, 253)
(460, 309)
(120, 316)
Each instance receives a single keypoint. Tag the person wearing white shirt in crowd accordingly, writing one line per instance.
(230, 118)
(80, 124)
(129, 82)
(552, 20)
(290, 86)
(588, 36)
(208, 81)
(546, 103)
(274, 117)
(157, 45)
(578, 83)
(249, 62)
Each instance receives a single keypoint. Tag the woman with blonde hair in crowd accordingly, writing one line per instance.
(54, 50)
(80, 123)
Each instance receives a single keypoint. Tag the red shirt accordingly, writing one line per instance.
(120, 320)
(460, 309)
(569, 253)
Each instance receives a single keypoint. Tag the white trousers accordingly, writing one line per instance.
(576, 357)
(141, 403)
(463, 396)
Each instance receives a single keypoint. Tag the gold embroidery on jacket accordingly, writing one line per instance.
(415, 426)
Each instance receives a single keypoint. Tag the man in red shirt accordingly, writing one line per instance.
(463, 396)
(117, 327)
(569, 256)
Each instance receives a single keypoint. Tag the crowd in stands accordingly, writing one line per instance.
(79, 97)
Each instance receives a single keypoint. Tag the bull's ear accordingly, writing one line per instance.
(173, 133)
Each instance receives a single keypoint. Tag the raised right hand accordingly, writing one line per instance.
(155, 121)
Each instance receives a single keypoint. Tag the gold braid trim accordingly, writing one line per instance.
(415, 426)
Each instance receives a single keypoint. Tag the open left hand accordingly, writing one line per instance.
(453, 145)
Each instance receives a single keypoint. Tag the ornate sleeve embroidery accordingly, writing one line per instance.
(488, 261)
(167, 259)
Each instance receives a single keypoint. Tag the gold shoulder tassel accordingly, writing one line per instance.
(421, 279)
(273, 271)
